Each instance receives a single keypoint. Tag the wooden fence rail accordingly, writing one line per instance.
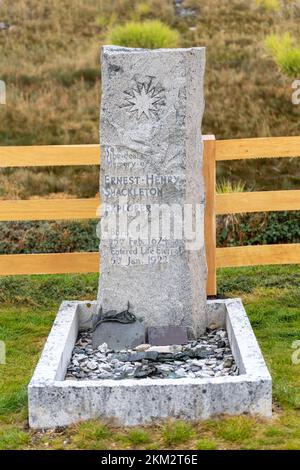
(234, 203)
(214, 151)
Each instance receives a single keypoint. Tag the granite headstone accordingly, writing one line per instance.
(151, 184)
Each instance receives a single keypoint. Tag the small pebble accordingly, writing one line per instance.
(142, 347)
(103, 348)
(92, 365)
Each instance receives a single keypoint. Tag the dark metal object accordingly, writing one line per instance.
(113, 316)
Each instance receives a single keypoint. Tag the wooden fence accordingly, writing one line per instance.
(214, 151)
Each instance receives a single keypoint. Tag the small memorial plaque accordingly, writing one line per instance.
(167, 335)
(119, 336)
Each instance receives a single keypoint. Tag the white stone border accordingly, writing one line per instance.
(56, 402)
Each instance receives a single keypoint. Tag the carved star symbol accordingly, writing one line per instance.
(145, 99)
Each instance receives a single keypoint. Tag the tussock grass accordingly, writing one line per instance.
(177, 432)
(90, 435)
(139, 436)
(151, 34)
(225, 186)
(236, 429)
(206, 444)
(285, 52)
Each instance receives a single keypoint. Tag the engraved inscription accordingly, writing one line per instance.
(121, 158)
(148, 185)
(132, 252)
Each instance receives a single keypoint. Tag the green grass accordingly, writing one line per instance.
(226, 186)
(177, 432)
(146, 34)
(206, 444)
(91, 435)
(236, 429)
(285, 53)
(13, 438)
(271, 296)
(138, 436)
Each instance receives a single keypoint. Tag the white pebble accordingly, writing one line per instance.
(142, 347)
(103, 348)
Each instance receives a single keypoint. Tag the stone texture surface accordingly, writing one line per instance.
(54, 401)
(165, 335)
(151, 154)
(119, 335)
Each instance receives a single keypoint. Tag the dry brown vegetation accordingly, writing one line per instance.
(49, 59)
(50, 62)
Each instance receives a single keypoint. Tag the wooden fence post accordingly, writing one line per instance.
(209, 173)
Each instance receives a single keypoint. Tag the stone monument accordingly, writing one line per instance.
(152, 272)
(152, 192)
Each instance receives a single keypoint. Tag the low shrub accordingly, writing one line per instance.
(47, 237)
(258, 228)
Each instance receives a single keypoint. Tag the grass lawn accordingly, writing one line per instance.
(271, 296)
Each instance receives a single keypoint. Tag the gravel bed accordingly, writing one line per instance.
(209, 356)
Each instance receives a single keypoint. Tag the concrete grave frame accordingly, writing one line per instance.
(54, 401)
